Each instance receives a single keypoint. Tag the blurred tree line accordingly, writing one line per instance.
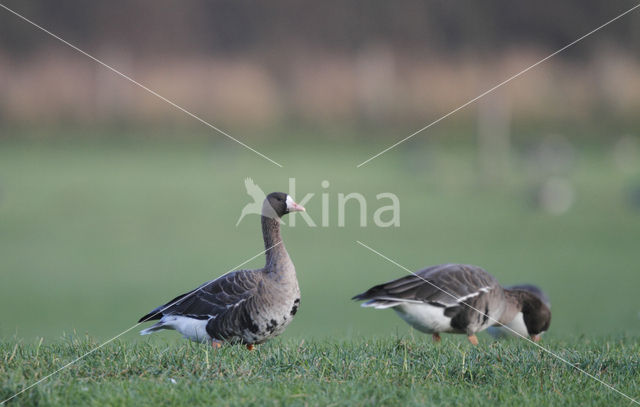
(345, 26)
(264, 63)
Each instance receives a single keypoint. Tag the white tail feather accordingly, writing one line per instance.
(191, 328)
(156, 327)
(380, 304)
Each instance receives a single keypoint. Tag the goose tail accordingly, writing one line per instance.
(380, 304)
(155, 327)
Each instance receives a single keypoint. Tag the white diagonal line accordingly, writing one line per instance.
(139, 84)
(499, 85)
(133, 327)
(504, 326)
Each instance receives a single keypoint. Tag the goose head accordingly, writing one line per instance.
(535, 313)
(278, 204)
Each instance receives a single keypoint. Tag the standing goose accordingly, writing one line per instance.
(244, 306)
(457, 298)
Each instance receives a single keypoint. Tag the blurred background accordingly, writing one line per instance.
(112, 201)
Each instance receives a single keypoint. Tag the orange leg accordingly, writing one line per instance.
(250, 346)
(436, 337)
(473, 339)
(216, 344)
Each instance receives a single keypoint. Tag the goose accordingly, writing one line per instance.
(457, 298)
(245, 306)
(517, 324)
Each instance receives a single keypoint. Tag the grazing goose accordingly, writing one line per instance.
(244, 306)
(467, 300)
(517, 324)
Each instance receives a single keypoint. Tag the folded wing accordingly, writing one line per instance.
(211, 298)
(443, 285)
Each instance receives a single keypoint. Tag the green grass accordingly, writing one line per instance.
(94, 234)
(392, 371)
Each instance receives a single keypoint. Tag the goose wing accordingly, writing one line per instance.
(444, 285)
(211, 298)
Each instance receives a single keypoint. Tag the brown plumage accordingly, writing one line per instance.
(245, 306)
(456, 298)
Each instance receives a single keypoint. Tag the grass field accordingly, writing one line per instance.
(397, 370)
(94, 234)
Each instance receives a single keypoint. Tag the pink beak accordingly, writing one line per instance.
(535, 338)
(294, 207)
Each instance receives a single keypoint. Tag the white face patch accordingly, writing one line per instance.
(289, 202)
(518, 325)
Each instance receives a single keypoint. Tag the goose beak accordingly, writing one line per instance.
(535, 338)
(294, 207)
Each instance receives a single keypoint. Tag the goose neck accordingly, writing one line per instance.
(275, 250)
(513, 305)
